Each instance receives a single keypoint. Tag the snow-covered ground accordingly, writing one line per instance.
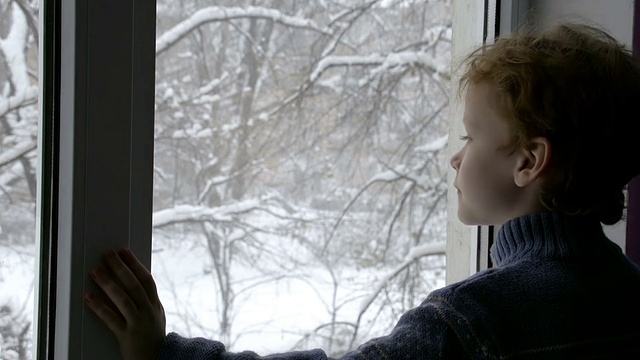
(270, 317)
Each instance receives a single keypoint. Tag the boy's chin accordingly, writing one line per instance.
(470, 222)
(467, 219)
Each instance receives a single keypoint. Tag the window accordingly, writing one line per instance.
(365, 168)
(290, 149)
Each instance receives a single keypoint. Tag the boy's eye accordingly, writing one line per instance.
(465, 137)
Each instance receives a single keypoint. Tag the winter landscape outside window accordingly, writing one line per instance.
(18, 179)
(300, 167)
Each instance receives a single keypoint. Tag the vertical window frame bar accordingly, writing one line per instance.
(104, 175)
(468, 27)
(632, 243)
(47, 170)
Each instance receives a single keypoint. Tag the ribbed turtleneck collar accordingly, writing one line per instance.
(549, 235)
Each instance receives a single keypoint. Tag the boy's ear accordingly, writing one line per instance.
(533, 160)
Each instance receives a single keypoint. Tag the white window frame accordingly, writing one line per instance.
(463, 242)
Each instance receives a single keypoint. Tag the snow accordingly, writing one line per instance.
(16, 289)
(262, 319)
(274, 316)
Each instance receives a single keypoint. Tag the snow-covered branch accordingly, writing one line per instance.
(271, 204)
(12, 48)
(384, 62)
(217, 13)
(17, 151)
(13, 102)
(187, 213)
(413, 255)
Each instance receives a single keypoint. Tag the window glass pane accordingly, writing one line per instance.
(18, 145)
(300, 167)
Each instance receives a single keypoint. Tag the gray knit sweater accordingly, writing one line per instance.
(559, 290)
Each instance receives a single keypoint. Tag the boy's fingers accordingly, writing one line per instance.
(141, 273)
(115, 293)
(129, 281)
(114, 321)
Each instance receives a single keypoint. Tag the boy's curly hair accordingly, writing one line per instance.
(578, 87)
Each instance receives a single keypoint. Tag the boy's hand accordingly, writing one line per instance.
(139, 322)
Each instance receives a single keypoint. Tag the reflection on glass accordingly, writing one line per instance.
(18, 143)
(300, 174)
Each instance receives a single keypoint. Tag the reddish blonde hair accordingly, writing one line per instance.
(578, 87)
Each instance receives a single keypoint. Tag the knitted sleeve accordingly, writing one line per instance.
(422, 333)
(176, 347)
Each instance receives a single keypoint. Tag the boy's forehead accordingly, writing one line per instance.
(484, 91)
(479, 103)
(483, 109)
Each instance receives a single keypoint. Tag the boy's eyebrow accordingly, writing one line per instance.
(466, 122)
(464, 117)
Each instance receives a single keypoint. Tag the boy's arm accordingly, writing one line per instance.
(176, 347)
(138, 321)
(421, 333)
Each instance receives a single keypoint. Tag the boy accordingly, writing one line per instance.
(548, 152)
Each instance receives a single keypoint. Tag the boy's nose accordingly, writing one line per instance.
(455, 161)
